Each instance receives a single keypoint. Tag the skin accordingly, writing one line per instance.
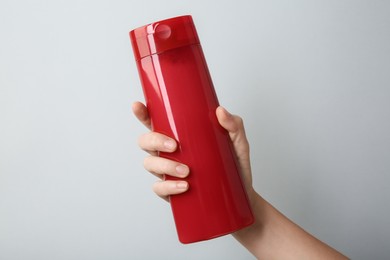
(273, 235)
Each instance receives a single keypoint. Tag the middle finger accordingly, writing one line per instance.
(159, 166)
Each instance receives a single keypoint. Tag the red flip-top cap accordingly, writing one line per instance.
(163, 35)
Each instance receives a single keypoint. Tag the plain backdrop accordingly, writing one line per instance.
(311, 80)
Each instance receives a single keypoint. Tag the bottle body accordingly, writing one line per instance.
(181, 101)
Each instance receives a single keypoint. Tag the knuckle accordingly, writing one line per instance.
(147, 162)
(154, 140)
(239, 121)
(160, 188)
(166, 166)
(146, 141)
(156, 188)
(140, 141)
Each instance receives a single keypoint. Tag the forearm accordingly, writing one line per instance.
(274, 236)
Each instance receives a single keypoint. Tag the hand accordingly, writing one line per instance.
(153, 142)
(273, 235)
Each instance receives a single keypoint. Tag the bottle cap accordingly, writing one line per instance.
(163, 35)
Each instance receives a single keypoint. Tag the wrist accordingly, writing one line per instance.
(252, 197)
(258, 207)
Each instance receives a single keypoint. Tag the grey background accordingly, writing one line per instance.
(310, 78)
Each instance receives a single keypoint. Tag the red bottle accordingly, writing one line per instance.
(181, 101)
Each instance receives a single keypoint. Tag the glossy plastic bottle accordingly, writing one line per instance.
(181, 101)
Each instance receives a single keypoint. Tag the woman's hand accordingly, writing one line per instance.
(153, 143)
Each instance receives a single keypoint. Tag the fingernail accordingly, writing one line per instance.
(169, 144)
(182, 185)
(182, 170)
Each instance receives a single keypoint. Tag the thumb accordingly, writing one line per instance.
(235, 126)
(232, 123)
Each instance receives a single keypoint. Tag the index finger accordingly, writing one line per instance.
(141, 112)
